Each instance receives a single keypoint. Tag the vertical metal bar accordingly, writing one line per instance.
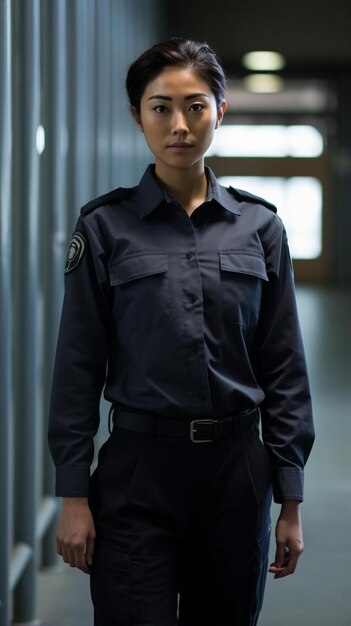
(103, 126)
(103, 96)
(118, 49)
(84, 103)
(28, 299)
(71, 125)
(81, 84)
(6, 417)
(54, 222)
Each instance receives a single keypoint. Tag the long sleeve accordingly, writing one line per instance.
(180, 317)
(80, 363)
(287, 422)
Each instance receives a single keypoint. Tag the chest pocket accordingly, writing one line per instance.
(242, 276)
(142, 291)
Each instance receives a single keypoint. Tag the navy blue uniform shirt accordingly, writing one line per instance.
(182, 316)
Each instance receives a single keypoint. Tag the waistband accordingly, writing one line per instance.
(198, 430)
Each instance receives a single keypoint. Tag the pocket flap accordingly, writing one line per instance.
(137, 266)
(243, 263)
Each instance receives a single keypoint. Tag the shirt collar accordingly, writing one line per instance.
(151, 193)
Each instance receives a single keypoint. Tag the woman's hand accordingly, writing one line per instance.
(289, 540)
(75, 535)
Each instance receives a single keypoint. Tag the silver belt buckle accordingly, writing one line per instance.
(193, 430)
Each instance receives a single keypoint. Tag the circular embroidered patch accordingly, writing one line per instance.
(75, 252)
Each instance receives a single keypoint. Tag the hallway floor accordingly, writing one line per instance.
(319, 594)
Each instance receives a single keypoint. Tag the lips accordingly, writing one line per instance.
(181, 144)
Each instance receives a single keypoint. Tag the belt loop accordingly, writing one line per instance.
(111, 411)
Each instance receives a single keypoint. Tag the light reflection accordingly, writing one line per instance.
(266, 141)
(40, 139)
(263, 60)
(299, 203)
(263, 83)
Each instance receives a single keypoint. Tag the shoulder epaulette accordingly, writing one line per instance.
(106, 198)
(241, 195)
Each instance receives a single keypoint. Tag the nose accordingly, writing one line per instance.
(179, 124)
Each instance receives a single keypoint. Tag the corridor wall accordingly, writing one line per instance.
(66, 136)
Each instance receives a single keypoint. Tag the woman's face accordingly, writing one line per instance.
(178, 116)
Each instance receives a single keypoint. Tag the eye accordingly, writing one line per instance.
(160, 108)
(197, 107)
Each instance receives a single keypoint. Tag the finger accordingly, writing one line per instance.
(78, 557)
(292, 564)
(89, 550)
(279, 567)
(282, 565)
(276, 570)
(64, 553)
(286, 571)
(282, 574)
(69, 555)
(291, 567)
(58, 547)
(71, 558)
(280, 554)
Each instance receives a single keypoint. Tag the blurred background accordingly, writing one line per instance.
(66, 136)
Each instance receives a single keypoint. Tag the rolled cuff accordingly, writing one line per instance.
(288, 484)
(72, 481)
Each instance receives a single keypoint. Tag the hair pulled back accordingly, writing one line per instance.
(176, 52)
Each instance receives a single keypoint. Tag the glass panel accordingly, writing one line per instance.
(299, 203)
(266, 141)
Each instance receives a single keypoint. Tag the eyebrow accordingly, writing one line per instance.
(193, 95)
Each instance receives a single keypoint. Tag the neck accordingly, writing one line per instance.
(187, 185)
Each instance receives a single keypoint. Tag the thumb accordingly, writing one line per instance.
(89, 550)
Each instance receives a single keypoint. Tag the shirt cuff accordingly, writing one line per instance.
(288, 484)
(72, 481)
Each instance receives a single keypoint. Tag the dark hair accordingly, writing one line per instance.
(180, 53)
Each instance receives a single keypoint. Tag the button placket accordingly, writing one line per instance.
(193, 324)
(192, 298)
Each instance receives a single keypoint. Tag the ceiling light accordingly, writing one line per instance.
(263, 61)
(263, 83)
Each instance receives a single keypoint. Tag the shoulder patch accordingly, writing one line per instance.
(107, 198)
(242, 195)
(76, 251)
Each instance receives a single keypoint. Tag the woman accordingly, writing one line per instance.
(184, 289)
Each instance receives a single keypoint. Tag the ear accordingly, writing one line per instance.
(220, 113)
(136, 117)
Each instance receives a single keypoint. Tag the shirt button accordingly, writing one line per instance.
(189, 255)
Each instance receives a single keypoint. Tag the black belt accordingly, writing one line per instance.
(198, 430)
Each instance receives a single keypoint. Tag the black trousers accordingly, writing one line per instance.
(176, 517)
